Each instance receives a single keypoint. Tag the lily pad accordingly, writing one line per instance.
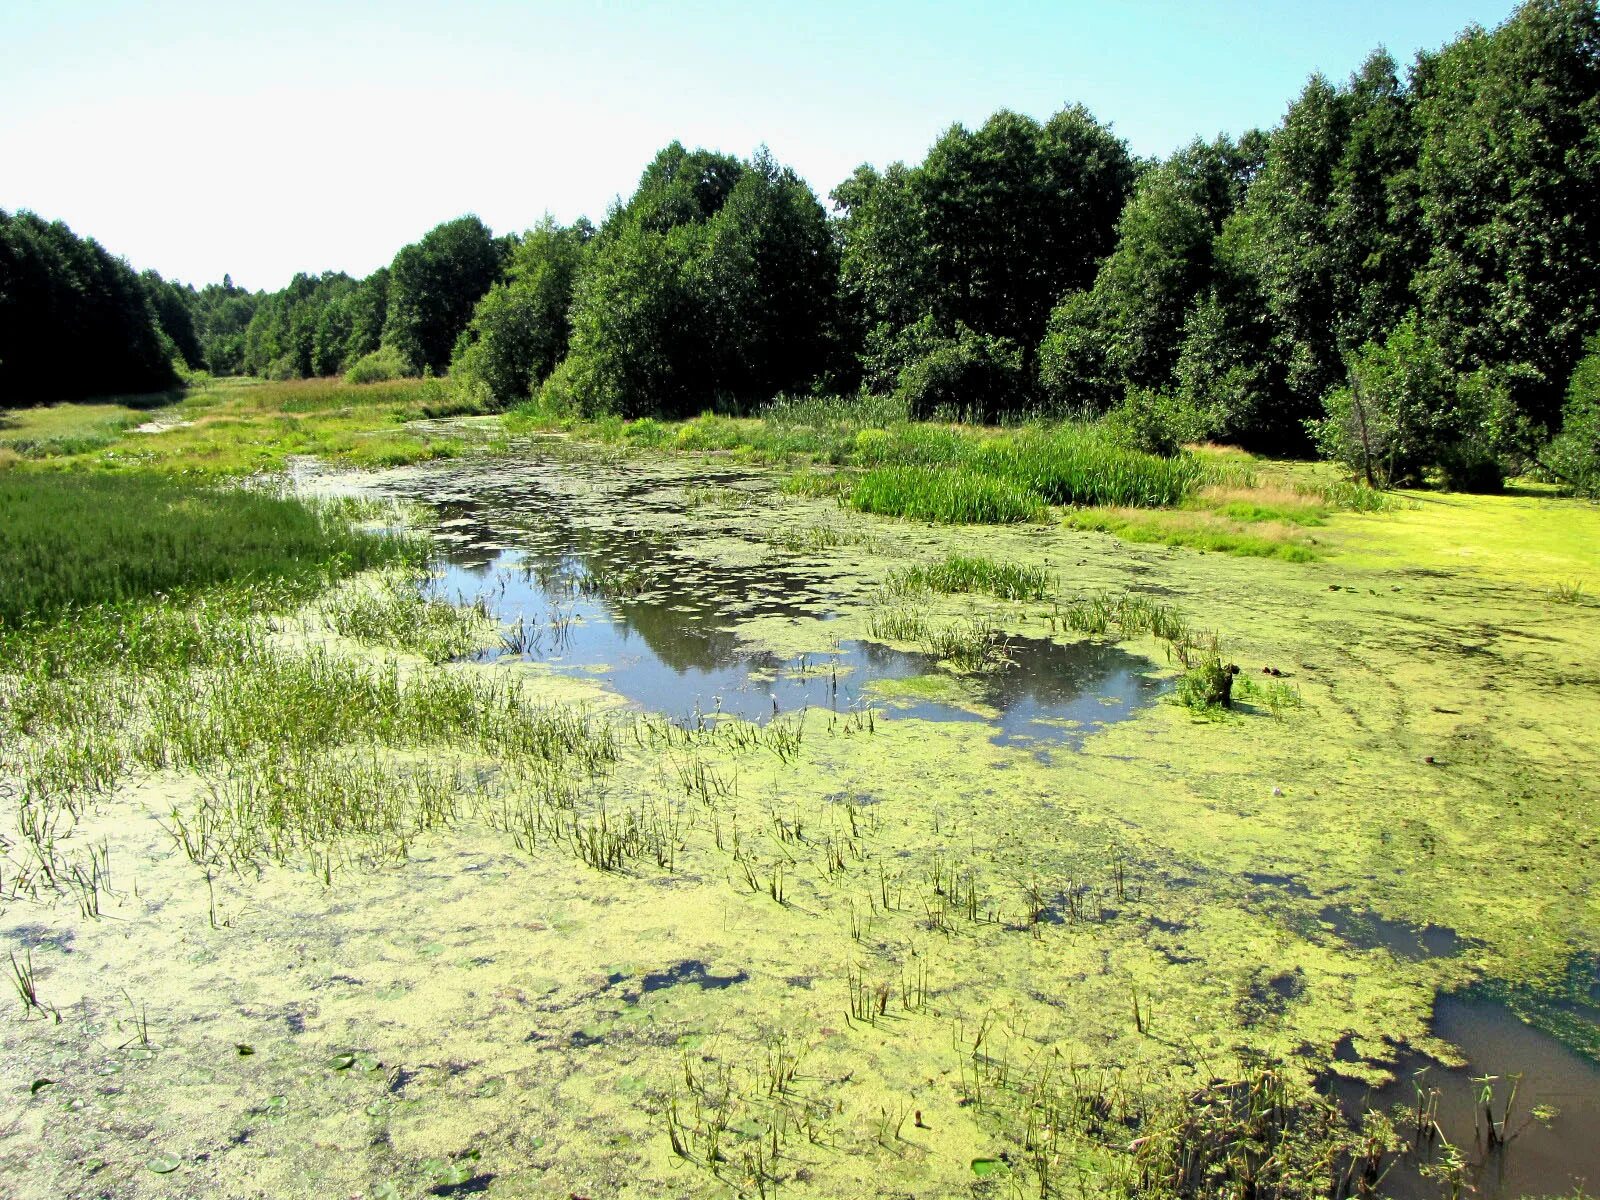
(987, 1166)
(454, 1175)
(39, 1085)
(163, 1164)
(244, 1049)
(342, 1062)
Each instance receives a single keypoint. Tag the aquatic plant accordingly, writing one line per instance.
(974, 573)
(1206, 685)
(70, 542)
(970, 645)
(956, 496)
(390, 609)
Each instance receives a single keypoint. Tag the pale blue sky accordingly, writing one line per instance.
(267, 138)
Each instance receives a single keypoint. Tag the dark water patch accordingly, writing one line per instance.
(1281, 883)
(1567, 1008)
(1270, 996)
(690, 971)
(656, 624)
(43, 937)
(1368, 931)
(1556, 1155)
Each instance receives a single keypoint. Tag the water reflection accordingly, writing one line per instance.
(658, 624)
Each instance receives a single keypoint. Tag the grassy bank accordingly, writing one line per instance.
(74, 541)
(237, 427)
(867, 454)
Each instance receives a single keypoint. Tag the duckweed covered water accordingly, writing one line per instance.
(661, 627)
(881, 944)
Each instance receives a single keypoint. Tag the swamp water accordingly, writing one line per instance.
(1004, 889)
(659, 627)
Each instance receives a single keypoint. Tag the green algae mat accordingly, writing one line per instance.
(796, 892)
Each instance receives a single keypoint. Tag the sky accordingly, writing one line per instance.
(262, 139)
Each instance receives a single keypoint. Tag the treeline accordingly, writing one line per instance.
(76, 321)
(1402, 275)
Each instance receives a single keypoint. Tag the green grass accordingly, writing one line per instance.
(946, 496)
(389, 609)
(240, 427)
(964, 573)
(65, 429)
(71, 541)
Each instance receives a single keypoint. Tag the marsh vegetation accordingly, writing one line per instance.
(1064, 677)
(790, 862)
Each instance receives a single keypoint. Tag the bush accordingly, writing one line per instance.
(1207, 685)
(1402, 411)
(970, 376)
(1574, 456)
(380, 366)
(1157, 423)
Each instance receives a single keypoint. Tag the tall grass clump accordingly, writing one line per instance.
(1079, 464)
(75, 541)
(391, 610)
(950, 496)
(963, 573)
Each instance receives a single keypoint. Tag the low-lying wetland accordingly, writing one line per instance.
(639, 849)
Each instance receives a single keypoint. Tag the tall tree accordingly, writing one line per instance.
(714, 284)
(75, 321)
(1509, 175)
(520, 329)
(986, 234)
(434, 283)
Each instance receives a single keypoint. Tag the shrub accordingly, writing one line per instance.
(1157, 423)
(1207, 685)
(1574, 456)
(971, 375)
(381, 366)
(1405, 410)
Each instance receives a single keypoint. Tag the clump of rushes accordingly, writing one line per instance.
(391, 610)
(1208, 684)
(973, 645)
(949, 496)
(1130, 616)
(1078, 464)
(69, 542)
(960, 573)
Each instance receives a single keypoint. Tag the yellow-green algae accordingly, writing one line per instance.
(497, 994)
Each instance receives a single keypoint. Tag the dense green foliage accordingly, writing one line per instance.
(520, 329)
(74, 320)
(70, 541)
(1574, 456)
(714, 285)
(1410, 256)
(433, 285)
(983, 236)
(1451, 206)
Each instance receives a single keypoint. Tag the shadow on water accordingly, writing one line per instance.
(657, 625)
(1550, 1144)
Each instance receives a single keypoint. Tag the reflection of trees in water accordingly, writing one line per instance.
(558, 553)
(1047, 673)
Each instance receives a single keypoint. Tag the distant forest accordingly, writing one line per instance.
(1404, 275)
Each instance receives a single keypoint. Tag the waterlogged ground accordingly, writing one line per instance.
(873, 937)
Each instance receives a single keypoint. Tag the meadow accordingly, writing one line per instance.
(966, 848)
